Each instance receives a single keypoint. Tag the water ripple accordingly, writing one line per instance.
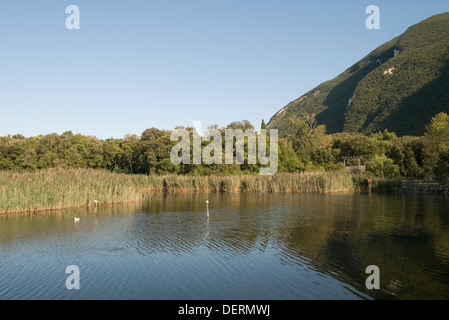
(252, 247)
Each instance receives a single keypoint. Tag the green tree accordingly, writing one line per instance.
(94, 156)
(288, 161)
(303, 140)
(243, 125)
(437, 143)
(382, 167)
(442, 166)
(155, 152)
(350, 145)
(129, 155)
(384, 136)
(438, 130)
(111, 155)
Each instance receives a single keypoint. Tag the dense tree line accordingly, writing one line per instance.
(309, 149)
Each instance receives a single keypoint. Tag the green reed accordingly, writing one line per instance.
(54, 189)
(308, 182)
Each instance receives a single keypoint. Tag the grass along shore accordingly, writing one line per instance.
(57, 189)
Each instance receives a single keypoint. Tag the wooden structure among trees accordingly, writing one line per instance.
(355, 164)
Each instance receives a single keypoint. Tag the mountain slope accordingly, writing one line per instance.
(399, 86)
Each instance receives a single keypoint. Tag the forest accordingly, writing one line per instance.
(310, 149)
(400, 86)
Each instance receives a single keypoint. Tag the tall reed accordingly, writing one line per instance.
(53, 189)
(58, 188)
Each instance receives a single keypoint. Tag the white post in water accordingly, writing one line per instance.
(207, 208)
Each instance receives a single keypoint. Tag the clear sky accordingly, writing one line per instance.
(138, 64)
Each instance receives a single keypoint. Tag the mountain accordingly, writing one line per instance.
(399, 86)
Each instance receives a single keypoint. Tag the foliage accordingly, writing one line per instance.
(383, 167)
(437, 145)
(57, 189)
(442, 167)
(384, 136)
(309, 149)
(399, 86)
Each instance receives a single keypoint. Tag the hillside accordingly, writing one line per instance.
(399, 86)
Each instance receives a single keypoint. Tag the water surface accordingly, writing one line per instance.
(254, 246)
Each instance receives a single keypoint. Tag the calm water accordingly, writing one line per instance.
(254, 246)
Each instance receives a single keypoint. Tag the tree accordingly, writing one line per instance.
(437, 143)
(29, 159)
(356, 145)
(47, 151)
(384, 136)
(94, 157)
(130, 150)
(243, 125)
(382, 167)
(442, 166)
(412, 169)
(438, 129)
(111, 155)
(155, 152)
(288, 161)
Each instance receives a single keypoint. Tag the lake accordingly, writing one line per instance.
(254, 246)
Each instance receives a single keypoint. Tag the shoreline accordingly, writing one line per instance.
(49, 190)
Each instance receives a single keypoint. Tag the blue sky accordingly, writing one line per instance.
(139, 64)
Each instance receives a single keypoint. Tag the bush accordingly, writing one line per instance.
(442, 167)
(382, 167)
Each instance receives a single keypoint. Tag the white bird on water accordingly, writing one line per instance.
(77, 219)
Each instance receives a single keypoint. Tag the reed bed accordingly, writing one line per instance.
(55, 189)
(307, 182)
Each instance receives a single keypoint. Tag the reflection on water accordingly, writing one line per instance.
(253, 246)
